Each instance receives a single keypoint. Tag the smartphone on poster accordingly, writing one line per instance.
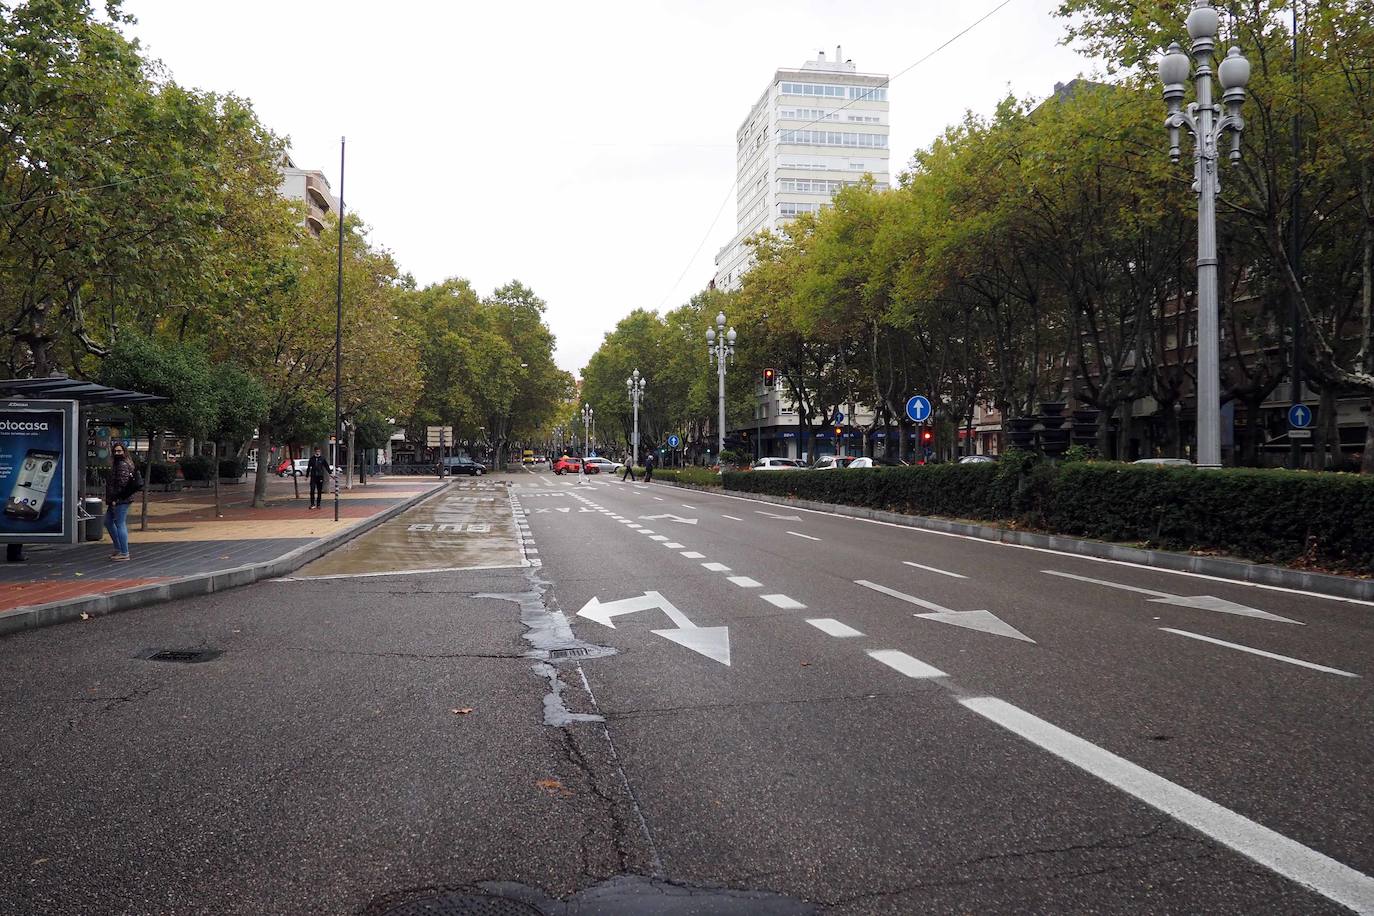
(31, 484)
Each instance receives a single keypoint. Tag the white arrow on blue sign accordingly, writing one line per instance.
(918, 408)
(1300, 416)
(674, 441)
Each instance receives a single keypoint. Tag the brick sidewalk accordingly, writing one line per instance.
(184, 538)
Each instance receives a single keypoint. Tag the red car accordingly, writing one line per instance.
(572, 466)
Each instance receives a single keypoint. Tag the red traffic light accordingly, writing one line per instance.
(770, 378)
(927, 434)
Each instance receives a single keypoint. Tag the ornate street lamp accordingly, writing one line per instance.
(720, 346)
(1209, 127)
(635, 386)
(587, 414)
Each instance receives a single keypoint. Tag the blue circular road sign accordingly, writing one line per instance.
(918, 408)
(674, 441)
(1300, 416)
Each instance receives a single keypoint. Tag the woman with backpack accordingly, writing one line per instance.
(121, 484)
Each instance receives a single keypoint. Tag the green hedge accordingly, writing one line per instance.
(1265, 515)
(231, 468)
(701, 477)
(196, 467)
(161, 473)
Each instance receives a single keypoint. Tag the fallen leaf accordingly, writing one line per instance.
(39, 861)
(549, 785)
(462, 710)
(806, 664)
(85, 616)
(78, 574)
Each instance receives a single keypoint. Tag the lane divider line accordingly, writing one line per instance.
(716, 567)
(745, 582)
(943, 572)
(832, 627)
(1280, 658)
(784, 602)
(905, 664)
(798, 534)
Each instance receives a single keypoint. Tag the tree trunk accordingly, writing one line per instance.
(348, 478)
(1367, 461)
(143, 515)
(219, 509)
(264, 459)
(1326, 448)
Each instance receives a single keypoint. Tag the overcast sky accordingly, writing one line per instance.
(582, 148)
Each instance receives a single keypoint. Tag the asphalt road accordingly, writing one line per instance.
(857, 717)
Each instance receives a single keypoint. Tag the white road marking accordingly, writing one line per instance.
(716, 567)
(798, 534)
(745, 582)
(1291, 859)
(1203, 602)
(673, 545)
(659, 498)
(1281, 658)
(692, 555)
(905, 664)
(784, 602)
(732, 518)
(685, 506)
(635, 525)
(645, 531)
(903, 596)
(832, 627)
(659, 537)
(983, 621)
(943, 572)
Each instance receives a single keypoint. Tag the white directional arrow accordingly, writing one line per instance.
(676, 518)
(984, 621)
(712, 642)
(1203, 602)
(785, 518)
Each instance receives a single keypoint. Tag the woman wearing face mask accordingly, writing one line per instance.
(121, 484)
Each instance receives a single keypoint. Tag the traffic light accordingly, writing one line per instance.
(770, 378)
(838, 431)
(927, 435)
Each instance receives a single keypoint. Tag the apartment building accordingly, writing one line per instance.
(813, 131)
(310, 187)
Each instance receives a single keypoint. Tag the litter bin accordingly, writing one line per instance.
(95, 525)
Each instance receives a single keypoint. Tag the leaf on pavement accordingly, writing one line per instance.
(85, 616)
(462, 710)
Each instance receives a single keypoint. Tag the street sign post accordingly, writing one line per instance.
(1299, 416)
(918, 408)
(674, 441)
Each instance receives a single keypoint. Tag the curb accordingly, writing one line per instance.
(1220, 567)
(34, 616)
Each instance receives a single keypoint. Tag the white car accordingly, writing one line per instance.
(861, 463)
(1165, 462)
(832, 463)
(776, 464)
(606, 465)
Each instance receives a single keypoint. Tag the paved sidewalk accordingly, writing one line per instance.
(184, 538)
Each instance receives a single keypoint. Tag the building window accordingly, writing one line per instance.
(831, 138)
(868, 93)
(789, 208)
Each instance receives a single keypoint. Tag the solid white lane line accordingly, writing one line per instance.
(903, 596)
(832, 627)
(905, 664)
(745, 582)
(784, 602)
(673, 545)
(716, 567)
(1279, 658)
(1125, 588)
(1274, 851)
(732, 518)
(943, 572)
(798, 534)
(692, 555)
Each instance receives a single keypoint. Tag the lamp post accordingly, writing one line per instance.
(587, 414)
(1209, 127)
(720, 345)
(635, 386)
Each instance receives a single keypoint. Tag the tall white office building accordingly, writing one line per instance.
(813, 131)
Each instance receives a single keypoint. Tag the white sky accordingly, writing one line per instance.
(583, 148)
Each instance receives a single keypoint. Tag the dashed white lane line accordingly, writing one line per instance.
(905, 664)
(645, 531)
(732, 518)
(673, 545)
(903, 596)
(1280, 658)
(1289, 858)
(832, 627)
(635, 525)
(943, 572)
(784, 602)
(685, 506)
(659, 498)
(658, 537)
(798, 534)
(745, 582)
(692, 555)
(716, 567)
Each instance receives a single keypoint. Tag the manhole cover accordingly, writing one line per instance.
(568, 653)
(461, 903)
(185, 656)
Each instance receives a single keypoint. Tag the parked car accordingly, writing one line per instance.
(462, 464)
(1166, 462)
(297, 468)
(831, 463)
(776, 464)
(604, 464)
(978, 459)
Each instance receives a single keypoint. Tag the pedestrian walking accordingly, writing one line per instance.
(122, 483)
(317, 469)
(649, 462)
(629, 472)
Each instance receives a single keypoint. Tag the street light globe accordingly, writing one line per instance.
(1234, 71)
(720, 319)
(1203, 22)
(710, 336)
(730, 337)
(1173, 66)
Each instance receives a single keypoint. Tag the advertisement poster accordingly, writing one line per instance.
(36, 473)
